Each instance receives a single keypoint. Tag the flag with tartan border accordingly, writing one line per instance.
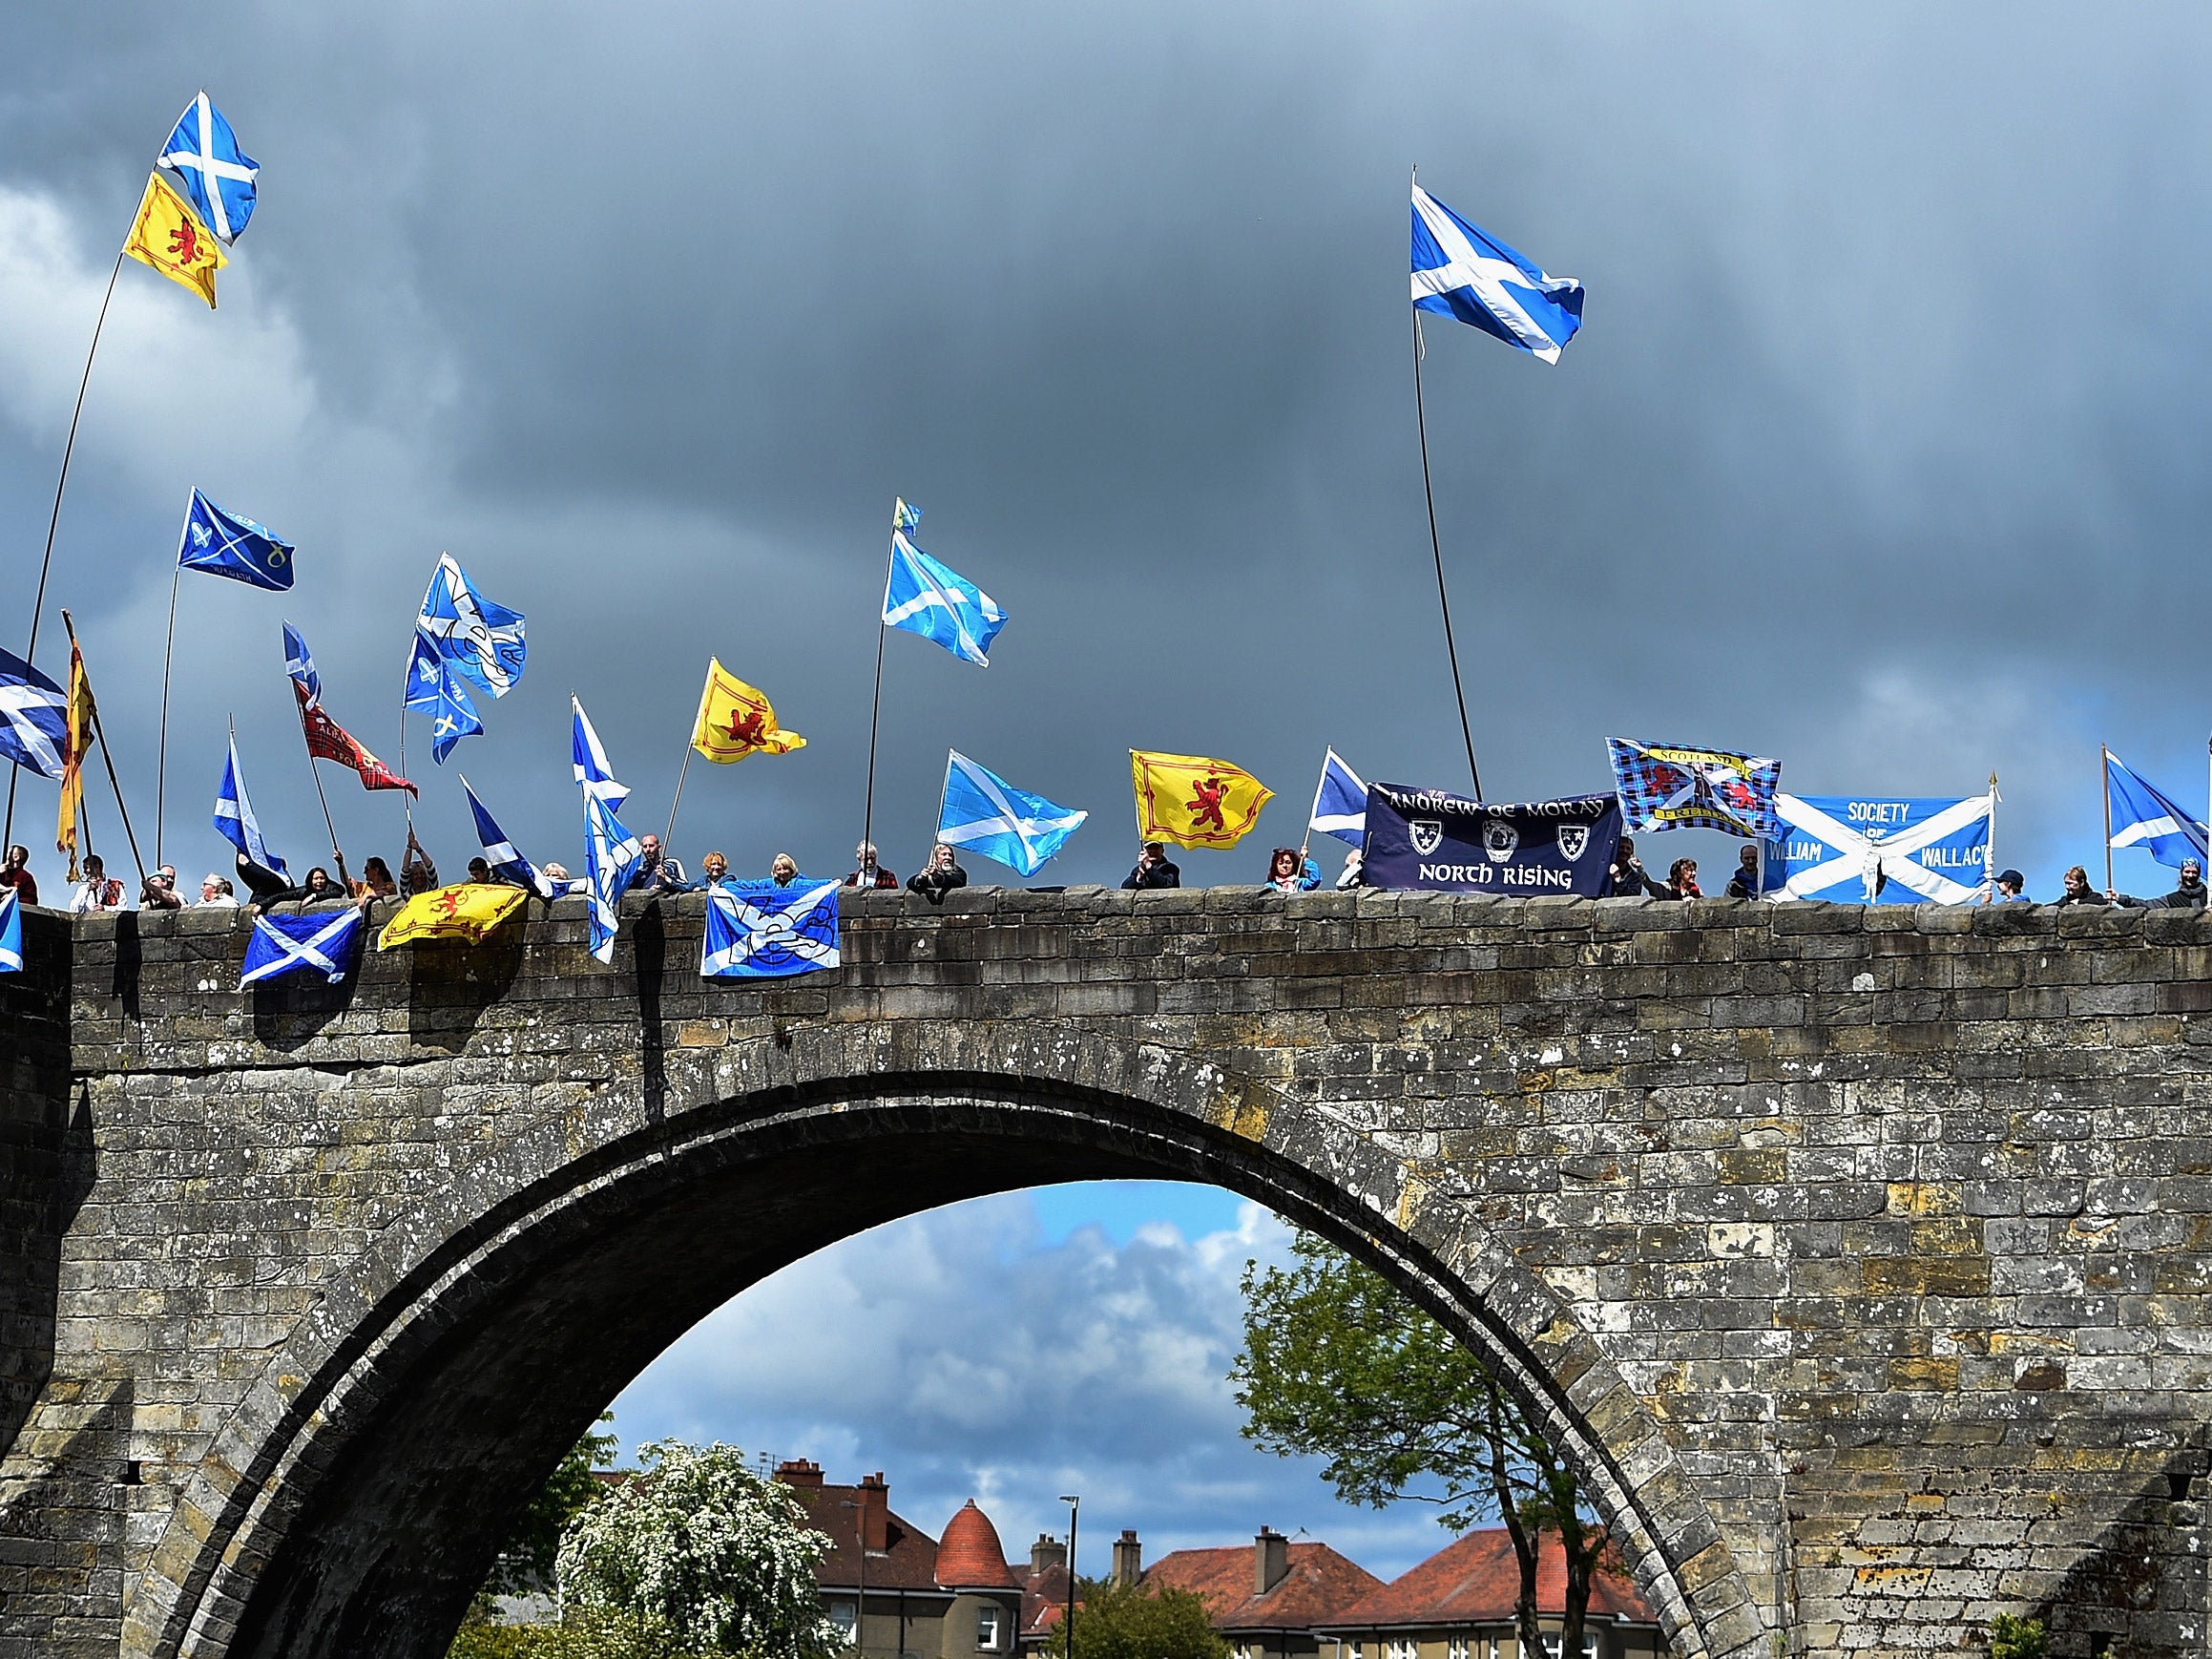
(756, 929)
(1683, 787)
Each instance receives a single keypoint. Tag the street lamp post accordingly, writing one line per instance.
(1074, 1502)
(859, 1542)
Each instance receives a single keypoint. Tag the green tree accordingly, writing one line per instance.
(527, 1560)
(2012, 1637)
(1133, 1621)
(1338, 1363)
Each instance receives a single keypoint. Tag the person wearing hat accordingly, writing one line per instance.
(2189, 892)
(1154, 867)
(2011, 888)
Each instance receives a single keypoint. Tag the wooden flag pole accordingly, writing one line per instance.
(668, 841)
(108, 759)
(867, 821)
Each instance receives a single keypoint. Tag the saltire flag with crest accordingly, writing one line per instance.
(1192, 801)
(76, 743)
(327, 739)
(1340, 801)
(234, 817)
(33, 722)
(735, 720)
(595, 776)
(1874, 850)
(434, 689)
(611, 857)
(203, 153)
(985, 813)
(11, 932)
(1678, 787)
(481, 640)
(2145, 816)
(508, 863)
(224, 544)
(756, 929)
(1459, 270)
(168, 236)
(924, 596)
(311, 942)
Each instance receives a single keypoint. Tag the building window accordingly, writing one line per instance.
(845, 1615)
(987, 1628)
(1458, 1648)
(1244, 1651)
(1403, 1647)
(1589, 1647)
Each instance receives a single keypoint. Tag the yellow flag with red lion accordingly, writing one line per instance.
(735, 720)
(167, 236)
(1192, 801)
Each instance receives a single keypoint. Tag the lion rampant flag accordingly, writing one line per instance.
(76, 743)
(168, 236)
(1193, 802)
(467, 911)
(735, 720)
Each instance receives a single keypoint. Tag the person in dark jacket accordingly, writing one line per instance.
(940, 878)
(1154, 867)
(1682, 879)
(1626, 877)
(870, 872)
(265, 884)
(1745, 883)
(2079, 892)
(2189, 893)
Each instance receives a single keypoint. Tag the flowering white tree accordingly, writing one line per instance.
(712, 1556)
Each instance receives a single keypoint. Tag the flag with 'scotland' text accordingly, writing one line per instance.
(1881, 850)
(224, 544)
(203, 153)
(983, 812)
(2145, 816)
(33, 727)
(756, 929)
(1680, 787)
(310, 942)
(1460, 270)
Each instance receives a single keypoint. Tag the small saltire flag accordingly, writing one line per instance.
(434, 689)
(34, 724)
(756, 929)
(905, 515)
(1340, 801)
(205, 155)
(508, 863)
(327, 739)
(594, 775)
(982, 811)
(611, 855)
(234, 821)
(1673, 786)
(11, 932)
(314, 942)
(925, 598)
(1193, 802)
(226, 544)
(1460, 271)
(735, 720)
(467, 911)
(2143, 816)
(168, 236)
(481, 640)
(1877, 849)
(76, 743)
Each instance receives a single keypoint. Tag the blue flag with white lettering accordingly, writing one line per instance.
(756, 929)
(1882, 850)
(224, 544)
(2142, 816)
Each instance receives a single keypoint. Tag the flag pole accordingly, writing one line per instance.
(161, 760)
(1436, 548)
(1318, 784)
(316, 772)
(668, 841)
(2104, 763)
(46, 563)
(108, 759)
(1990, 847)
(867, 819)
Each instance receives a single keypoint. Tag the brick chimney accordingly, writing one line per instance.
(1047, 1551)
(875, 1499)
(1127, 1558)
(799, 1472)
(1270, 1560)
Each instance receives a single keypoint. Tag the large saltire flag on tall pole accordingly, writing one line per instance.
(985, 813)
(311, 942)
(927, 598)
(224, 544)
(33, 724)
(234, 817)
(76, 743)
(756, 929)
(434, 689)
(168, 236)
(507, 862)
(11, 932)
(1192, 801)
(595, 775)
(481, 640)
(1883, 850)
(735, 720)
(1677, 787)
(1460, 270)
(203, 153)
(611, 855)
(2142, 815)
(327, 739)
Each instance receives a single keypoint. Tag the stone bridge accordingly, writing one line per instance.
(1857, 1257)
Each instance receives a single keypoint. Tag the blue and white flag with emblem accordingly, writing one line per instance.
(756, 929)
(1882, 850)
(205, 155)
(481, 640)
(925, 598)
(434, 689)
(234, 821)
(1340, 801)
(611, 855)
(985, 813)
(224, 544)
(10, 931)
(33, 718)
(1460, 271)
(508, 863)
(2142, 816)
(594, 775)
(313, 942)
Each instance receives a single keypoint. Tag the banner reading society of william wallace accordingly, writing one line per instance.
(1432, 841)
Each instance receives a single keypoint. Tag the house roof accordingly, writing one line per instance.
(908, 1561)
(1318, 1583)
(970, 1556)
(1476, 1579)
(1043, 1597)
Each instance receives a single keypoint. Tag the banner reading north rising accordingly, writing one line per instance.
(1435, 842)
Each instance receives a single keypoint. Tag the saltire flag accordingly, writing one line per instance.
(234, 817)
(508, 863)
(594, 775)
(611, 855)
(735, 720)
(481, 640)
(1877, 849)
(905, 515)
(205, 155)
(1674, 787)
(2143, 816)
(1340, 801)
(985, 813)
(756, 929)
(76, 743)
(434, 689)
(327, 739)
(11, 932)
(313, 942)
(224, 544)
(1459, 270)
(1192, 801)
(926, 597)
(168, 236)
(34, 724)
(465, 910)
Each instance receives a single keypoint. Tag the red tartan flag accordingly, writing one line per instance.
(328, 740)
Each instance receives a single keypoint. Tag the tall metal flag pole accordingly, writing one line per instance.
(108, 759)
(2104, 764)
(162, 752)
(668, 840)
(1990, 846)
(1436, 547)
(876, 707)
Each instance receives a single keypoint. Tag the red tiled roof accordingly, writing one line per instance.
(970, 1555)
(1476, 1579)
(908, 1563)
(1043, 1597)
(1318, 1582)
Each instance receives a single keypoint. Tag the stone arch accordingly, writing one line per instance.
(343, 1507)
